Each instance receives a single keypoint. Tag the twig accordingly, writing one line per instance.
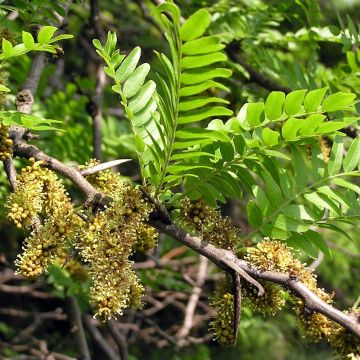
(147, 17)
(27, 151)
(317, 262)
(95, 20)
(224, 258)
(161, 332)
(32, 81)
(98, 338)
(356, 303)
(24, 102)
(25, 333)
(25, 290)
(193, 299)
(119, 339)
(50, 315)
(77, 329)
(103, 166)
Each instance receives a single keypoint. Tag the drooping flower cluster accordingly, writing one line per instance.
(147, 238)
(325, 148)
(222, 325)
(208, 223)
(272, 255)
(40, 193)
(343, 342)
(107, 241)
(268, 304)
(105, 237)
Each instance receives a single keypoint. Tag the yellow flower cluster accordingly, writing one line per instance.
(5, 143)
(208, 223)
(107, 241)
(315, 325)
(222, 326)
(325, 148)
(106, 181)
(273, 255)
(343, 342)
(269, 304)
(147, 238)
(40, 192)
(39, 250)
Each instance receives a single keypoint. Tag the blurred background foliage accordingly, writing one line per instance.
(295, 43)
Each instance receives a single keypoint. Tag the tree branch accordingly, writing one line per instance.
(119, 339)
(30, 151)
(77, 329)
(223, 258)
(193, 299)
(98, 338)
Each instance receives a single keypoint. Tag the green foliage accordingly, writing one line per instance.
(136, 97)
(66, 286)
(31, 122)
(180, 142)
(45, 41)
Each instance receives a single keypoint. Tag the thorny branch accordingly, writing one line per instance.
(223, 258)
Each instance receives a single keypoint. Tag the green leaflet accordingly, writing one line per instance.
(274, 105)
(45, 34)
(128, 65)
(195, 25)
(203, 113)
(293, 102)
(196, 76)
(313, 99)
(254, 213)
(310, 124)
(338, 101)
(204, 45)
(193, 62)
(199, 88)
(255, 113)
(270, 137)
(135, 81)
(199, 101)
(44, 42)
(352, 158)
(184, 102)
(32, 122)
(336, 156)
(139, 103)
(196, 133)
(143, 97)
(316, 239)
